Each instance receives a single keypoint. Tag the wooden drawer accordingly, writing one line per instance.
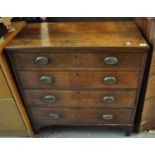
(78, 80)
(81, 116)
(10, 118)
(60, 98)
(4, 89)
(73, 59)
(79, 62)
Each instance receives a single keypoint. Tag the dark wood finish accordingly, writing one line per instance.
(76, 71)
(80, 34)
(66, 98)
(78, 59)
(81, 116)
(78, 79)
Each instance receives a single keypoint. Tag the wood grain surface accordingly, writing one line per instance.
(79, 34)
(78, 59)
(76, 53)
(81, 98)
(78, 79)
(81, 116)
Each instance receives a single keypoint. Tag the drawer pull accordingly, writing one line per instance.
(110, 80)
(54, 116)
(46, 79)
(108, 99)
(41, 60)
(111, 60)
(107, 117)
(50, 98)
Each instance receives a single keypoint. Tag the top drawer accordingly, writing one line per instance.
(4, 89)
(77, 60)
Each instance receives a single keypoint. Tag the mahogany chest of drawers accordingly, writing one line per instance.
(79, 73)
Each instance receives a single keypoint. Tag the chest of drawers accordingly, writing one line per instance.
(82, 73)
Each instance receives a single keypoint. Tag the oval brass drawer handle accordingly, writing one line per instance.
(46, 79)
(111, 60)
(54, 116)
(108, 99)
(110, 80)
(107, 117)
(50, 98)
(41, 60)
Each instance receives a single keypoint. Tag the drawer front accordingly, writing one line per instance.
(4, 89)
(60, 98)
(10, 118)
(81, 116)
(75, 60)
(78, 80)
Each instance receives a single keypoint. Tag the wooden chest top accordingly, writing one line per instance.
(79, 34)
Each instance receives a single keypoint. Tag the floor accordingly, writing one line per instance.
(89, 132)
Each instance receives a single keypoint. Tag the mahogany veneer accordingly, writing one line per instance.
(73, 73)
